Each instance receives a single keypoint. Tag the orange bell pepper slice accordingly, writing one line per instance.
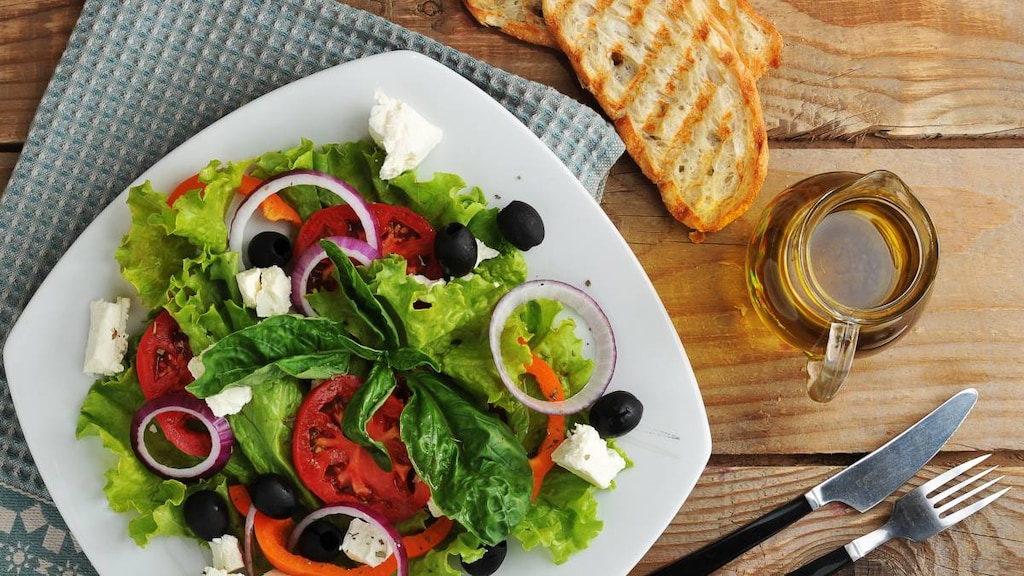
(551, 388)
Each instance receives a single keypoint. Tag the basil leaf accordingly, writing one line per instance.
(365, 402)
(477, 472)
(405, 359)
(294, 345)
(367, 306)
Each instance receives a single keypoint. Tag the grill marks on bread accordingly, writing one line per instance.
(669, 75)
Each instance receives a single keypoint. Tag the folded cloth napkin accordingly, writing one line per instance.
(137, 79)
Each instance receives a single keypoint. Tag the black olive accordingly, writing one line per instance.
(521, 225)
(206, 514)
(274, 495)
(269, 248)
(489, 563)
(615, 414)
(455, 247)
(320, 541)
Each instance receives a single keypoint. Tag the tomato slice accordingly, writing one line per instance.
(402, 232)
(161, 363)
(340, 471)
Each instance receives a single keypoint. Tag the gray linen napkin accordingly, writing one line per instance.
(137, 79)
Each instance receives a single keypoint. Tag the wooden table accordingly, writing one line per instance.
(930, 89)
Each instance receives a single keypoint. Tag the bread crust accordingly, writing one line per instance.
(669, 75)
(520, 19)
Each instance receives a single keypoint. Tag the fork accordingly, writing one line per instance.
(915, 516)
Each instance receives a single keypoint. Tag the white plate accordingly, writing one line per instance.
(489, 148)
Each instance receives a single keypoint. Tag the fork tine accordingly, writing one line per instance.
(953, 489)
(968, 510)
(948, 475)
(965, 496)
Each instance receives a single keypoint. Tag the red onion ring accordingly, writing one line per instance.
(577, 300)
(353, 247)
(250, 521)
(271, 186)
(219, 429)
(365, 514)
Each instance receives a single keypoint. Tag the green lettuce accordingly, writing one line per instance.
(203, 298)
(563, 517)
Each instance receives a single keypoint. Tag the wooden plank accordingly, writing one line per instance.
(912, 69)
(32, 38)
(971, 334)
(989, 542)
(7, 162)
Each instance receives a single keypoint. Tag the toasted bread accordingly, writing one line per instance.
(669, 76)
(518, 18)
(758, 42)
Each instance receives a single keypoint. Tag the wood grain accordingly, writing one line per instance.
(909, 69)
(989, 542)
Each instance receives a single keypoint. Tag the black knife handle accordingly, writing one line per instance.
(718, 554)
(828, 564)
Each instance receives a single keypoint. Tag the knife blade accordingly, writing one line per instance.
(861, 486)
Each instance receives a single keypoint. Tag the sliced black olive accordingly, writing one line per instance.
(455, 247)
(206, 514)
(615, 414)
(521, 225)
(274, 495)
(489, 563)
(269, 248)
(320, 541)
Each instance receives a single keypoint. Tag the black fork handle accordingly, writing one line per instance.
(719, 553)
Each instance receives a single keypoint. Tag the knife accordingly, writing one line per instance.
(862, 485)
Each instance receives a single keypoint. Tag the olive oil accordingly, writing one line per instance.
(815, 260)
(863, 255)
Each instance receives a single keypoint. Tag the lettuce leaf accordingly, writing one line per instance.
(563, 517)
(203, 298)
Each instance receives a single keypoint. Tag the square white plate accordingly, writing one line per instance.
(489, 148)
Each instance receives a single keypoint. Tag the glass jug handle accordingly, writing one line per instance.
(827, 374)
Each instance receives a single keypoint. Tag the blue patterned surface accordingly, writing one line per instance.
(137, 79)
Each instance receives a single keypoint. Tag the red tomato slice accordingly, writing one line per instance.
(162, 366)
(339, 471)
(402, 232)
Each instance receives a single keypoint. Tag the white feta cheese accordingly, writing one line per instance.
(484, 252)
(227, 555)
(211, 571)
(229, 400)
(433, 509)
(196, 368)
(365, 543)
(268, 290)
(108, 337)
(586, 454)
(406, 136)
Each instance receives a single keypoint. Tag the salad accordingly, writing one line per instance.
(347, 374)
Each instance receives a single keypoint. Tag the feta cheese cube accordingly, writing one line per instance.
(211, 571)
(108, 337)
(365, 543)
(227, 555)
(433, 509)
(229, 400)
(586, 454)
(268, 290)
(404, 135)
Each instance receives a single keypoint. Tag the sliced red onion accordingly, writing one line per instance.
(271, 186)
(367, 515)
(597, 322)
(219, 429)
(250, 521)
(354, 248)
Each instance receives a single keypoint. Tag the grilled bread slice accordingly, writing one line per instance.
(518, 18)
(669, 76)
(758, 42)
